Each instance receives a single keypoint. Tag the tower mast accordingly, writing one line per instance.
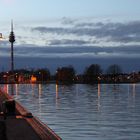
(12, 40)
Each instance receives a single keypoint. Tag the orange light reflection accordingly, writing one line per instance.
(99, 95)
(57, 95)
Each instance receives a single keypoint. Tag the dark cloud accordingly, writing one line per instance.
(80, 57)
(64, 30)
(129, 32)
(73, 51)
(116, 32)
(89, 24)
(68, 42)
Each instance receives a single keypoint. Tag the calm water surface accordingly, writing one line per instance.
(84, 112)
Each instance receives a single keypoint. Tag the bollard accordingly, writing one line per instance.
(8, 108)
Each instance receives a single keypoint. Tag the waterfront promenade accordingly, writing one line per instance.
(22, 125)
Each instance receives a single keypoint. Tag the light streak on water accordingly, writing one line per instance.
(84, 112)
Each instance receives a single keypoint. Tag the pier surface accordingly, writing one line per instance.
(23, 126)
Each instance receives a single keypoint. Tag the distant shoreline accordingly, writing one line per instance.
(67, 83)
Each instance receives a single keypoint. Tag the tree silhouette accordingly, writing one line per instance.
(65, 74)
(114, 69)
(42, 74)
(113, 72)
(92, 73)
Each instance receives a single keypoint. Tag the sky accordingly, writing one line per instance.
(54, 33)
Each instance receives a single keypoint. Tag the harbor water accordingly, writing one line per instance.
(83, 112)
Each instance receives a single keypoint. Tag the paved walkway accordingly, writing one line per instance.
(19, 129)
(2, 130)
(15, 127)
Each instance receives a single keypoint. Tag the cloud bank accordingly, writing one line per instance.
(76, 42)
(109, 32)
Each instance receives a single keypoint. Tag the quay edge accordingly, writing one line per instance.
(41, 129)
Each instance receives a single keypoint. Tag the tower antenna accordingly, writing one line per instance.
(12, 40)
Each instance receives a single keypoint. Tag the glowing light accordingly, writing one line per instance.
(33, 79)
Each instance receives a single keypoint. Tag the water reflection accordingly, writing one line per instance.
(16, 89)
(116, 87)
(39, 89)
(99, 94)
(128, 89)
(102, 112)
(6, 88)
(134, 90)
(33, 87)
(56, 87)
(9, 89)
(40, 99)
(57, 95)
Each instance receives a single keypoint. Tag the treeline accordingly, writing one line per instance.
(67, 75)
